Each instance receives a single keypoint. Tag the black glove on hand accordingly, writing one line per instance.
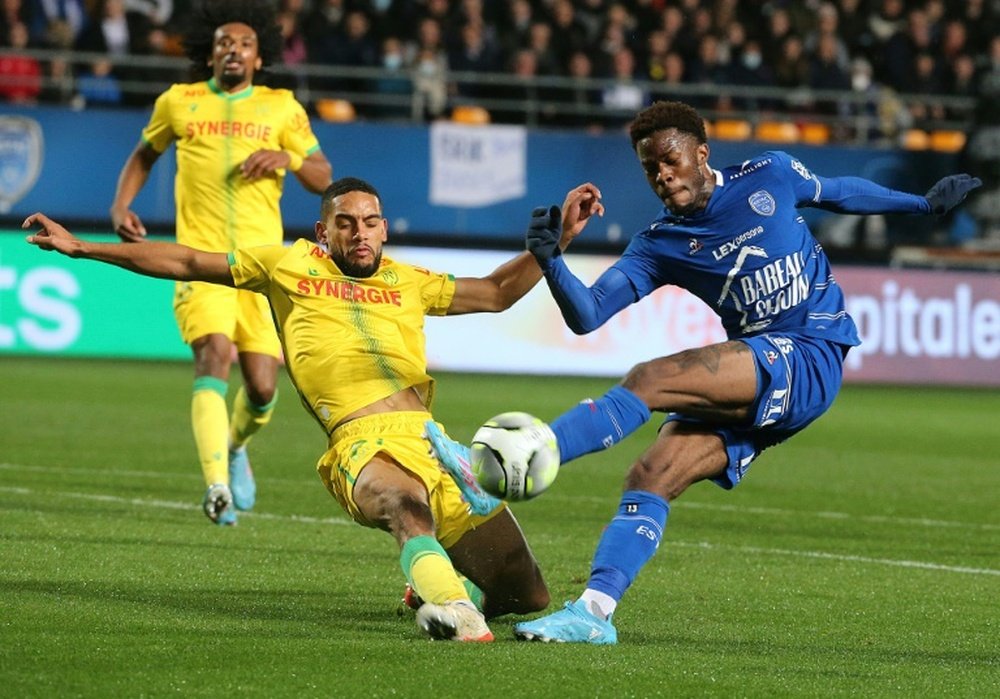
(950, 191)
(544, 232)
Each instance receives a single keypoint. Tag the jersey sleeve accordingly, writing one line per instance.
(436, 291)
(159, 132)
(298, 136)
(252, 268)
(847, 195)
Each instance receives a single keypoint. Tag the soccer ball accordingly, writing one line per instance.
(515, 456)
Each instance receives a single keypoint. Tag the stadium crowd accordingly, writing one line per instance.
(924, 47)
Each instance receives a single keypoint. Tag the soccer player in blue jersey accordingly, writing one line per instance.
(734, 238)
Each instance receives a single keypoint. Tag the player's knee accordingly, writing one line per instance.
(261, 393)
(644, 380)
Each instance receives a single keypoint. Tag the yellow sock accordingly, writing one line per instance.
(429, 570)
(210, 423)
(248, 418)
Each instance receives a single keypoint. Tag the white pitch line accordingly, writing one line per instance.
(681, 504)
(170, 504)
(167, 504)
(839, 557)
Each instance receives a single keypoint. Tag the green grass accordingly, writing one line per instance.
(860, 558)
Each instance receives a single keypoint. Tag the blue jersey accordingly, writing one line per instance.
(748, 254)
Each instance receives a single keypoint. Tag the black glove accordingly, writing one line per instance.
(950, 191)
(544, 232)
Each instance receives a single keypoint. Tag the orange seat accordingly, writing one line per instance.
(335, 110)
(732, 130)
(470, 114)
(777, 132)
(947, 141)
(815, 134)
(916, 139)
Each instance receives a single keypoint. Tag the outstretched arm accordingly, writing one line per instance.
(512, 280)
(856, 195)
(155, 259)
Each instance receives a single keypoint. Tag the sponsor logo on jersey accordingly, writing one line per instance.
(734, 244)
(694, 245)
(762, 202)
(348, 291)
(389, 276)
(233, 129)
(801, 169)
(744, 170)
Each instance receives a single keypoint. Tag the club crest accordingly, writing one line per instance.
(762, 202)
(694, 245)
(20, 158)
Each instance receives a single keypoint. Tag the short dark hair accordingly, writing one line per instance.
(343, 186)
(660, 116)
(208, 15)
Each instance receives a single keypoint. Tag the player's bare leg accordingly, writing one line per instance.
(393, 499)
(496, 557)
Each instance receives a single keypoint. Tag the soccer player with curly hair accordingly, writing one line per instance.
(235, 142)
(734, 238)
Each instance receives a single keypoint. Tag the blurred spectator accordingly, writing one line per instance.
(157, 12)
(777, 31)
(624, 97)
(657, 48)
(569, 34)
(430, 71)
(475, 55)
(56, 23)
(521, 95)
(886, 21)
(515, 25)
(323, 29)
(118, 34)
(853, 28)
(902, 48)
(827, 22)
(707, 70)
(20, 75)
(926, 79)
(574, 104)
(673, 71)
(11, 12)
(747, 69)
(826, 73)
(792, 69)
(395, 85)
(115, 31)
(540, 42)
(294, 52)
(98, 86)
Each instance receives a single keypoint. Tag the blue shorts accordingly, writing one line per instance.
(797, 379)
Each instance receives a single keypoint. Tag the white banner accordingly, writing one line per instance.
(477, 165)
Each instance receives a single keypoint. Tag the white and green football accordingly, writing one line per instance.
(515, 456)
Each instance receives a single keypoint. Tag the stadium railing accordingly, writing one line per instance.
(876, 117)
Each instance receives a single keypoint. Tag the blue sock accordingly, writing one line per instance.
(628, 542)
(599, 424)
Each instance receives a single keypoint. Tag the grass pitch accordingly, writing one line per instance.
(860, 558)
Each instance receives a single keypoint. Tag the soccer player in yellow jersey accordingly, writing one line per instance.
(235, 143)
(351, 324)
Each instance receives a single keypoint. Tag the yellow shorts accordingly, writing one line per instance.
(401, 436)
(242, 316)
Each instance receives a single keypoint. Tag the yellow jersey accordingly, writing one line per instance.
(217, 208)
(347, 342)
